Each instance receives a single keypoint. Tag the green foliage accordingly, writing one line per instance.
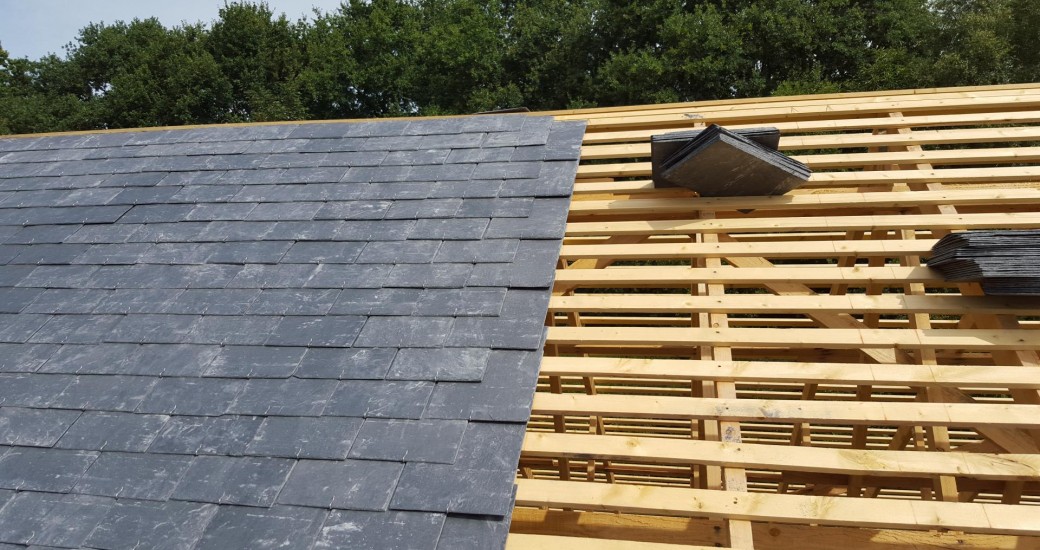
(373, 58)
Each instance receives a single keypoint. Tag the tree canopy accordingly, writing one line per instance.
(374, 58)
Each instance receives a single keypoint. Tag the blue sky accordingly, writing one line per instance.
(34, 28)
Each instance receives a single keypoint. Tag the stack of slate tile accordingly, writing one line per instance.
(716, 162)
(1007, 263)
(289, 336)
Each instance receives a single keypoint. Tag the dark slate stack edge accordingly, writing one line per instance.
(315, 335)
(1007, 263)
(665, 146)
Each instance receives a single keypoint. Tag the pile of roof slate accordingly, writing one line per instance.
(286, 336)
(1007, 263)
(716, 162)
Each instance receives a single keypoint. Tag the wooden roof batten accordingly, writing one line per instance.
(794, 375)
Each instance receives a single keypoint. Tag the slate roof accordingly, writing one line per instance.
(312, 335)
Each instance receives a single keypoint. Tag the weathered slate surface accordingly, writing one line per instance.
(1007, 263)
(322, 335)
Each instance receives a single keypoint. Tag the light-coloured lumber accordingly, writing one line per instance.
(795, 372)
(787, 411)
(792, 249)
(902, 514)
(768, 536)
(521, 541)
(836, 338)
(1009, 220)
(667, 275)
(881, 200)
(770, 457)
(765, 303)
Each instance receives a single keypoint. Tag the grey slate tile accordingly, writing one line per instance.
(221, 211)
(104, 393)
(130, 525)
(451, 229)
(245, 481)
(353, 210)
(326, 438)
(466, 531)
(345, 485)
(135, 301)
(375, 230)
(261, 252)
(171, 360)
(51, 521)
(24, 357)
(464, 189)
(18, 328)
(199, 435)
(269, 529)
(49, 470)
(346, 363)
(430, 276)
(409, 440)
(43, 234)
(317, 331)
(425, 208)
(90, 359)
(478, 251)
(237, 331)
(13, 300)
(348, 276)
(289, 397)
(504, 395)
(364, 530)
(538, 258)
(133, 475)
(156, 213)
(153, 329)
(273, 276)
(302, 211)
(31, 390)
(444, 364)
(100, 431)
(75, 329)
(255, 362)
(212, 301)
(34, 427)
(319, 230)
(377, 301)
(66, 300)
(399, 252)
(192, 396)
(49, 254)
(380, 399)
(491, 446)
(462, 302)
(496, 208)
(447, 488)
(412, 332)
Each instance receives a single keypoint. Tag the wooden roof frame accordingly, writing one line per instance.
(793, 375)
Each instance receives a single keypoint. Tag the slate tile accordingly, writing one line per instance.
(310, 174)
(212, 301)
(354, 158)
(260, 252)
(444, 364)
(504, 394)
(133, 475)
(51, 521)
(245, 481)
(323, 252)
(176, 253)
(374, 230)
(399, 252)
(447, 488)
(301, 211)
(277, 527)
(66, 300)
(18, 328)
(171, 360)
(232, 231)
(203, 178)
(50, 470)
(316, 331)
(463, 302)
(130, 525)
(465, 189)
(498, 333)
(450, 229)
(377, 301)
(220, 212)
(12, 275)
(482, 251)
(236, 331)
(353, 210)
(142, 195)
(153, 329)
(411, 332)
(293, 302)
(192, 396)
(273, 276)
(507, 170)
(104, 393)
(424, 155)
(76, 329)
(556, 179)
(466, 531)
(548, 220)
(306, 231)
(200, 435)
(466, 147)
(529, 153)
(202, 192)
(317, 438)
(403, 190)
(346, 363)
(291, 397)
(136, 300)
(100, 431)
(327, 130)
(348, 276)
(425, 208)
(491, 446)
(156, 213)
(250, 178)
(90, 359)
(429, 276)
(197, 276)
(24, 357)
(364, 530)
(31, 390)
(49, 254)
(539, 270)
(392, 142)
(43, 234)
(409, 440)
(519, 207)
(346, 485)
(379, 399)
(34, 427)
(166, 232)
(255, 362)
(492, 123)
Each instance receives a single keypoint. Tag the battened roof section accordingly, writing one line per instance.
(321, 335)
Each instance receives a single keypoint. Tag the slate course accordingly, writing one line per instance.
(299, 335)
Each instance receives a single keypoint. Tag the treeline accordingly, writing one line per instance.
(391, 58)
